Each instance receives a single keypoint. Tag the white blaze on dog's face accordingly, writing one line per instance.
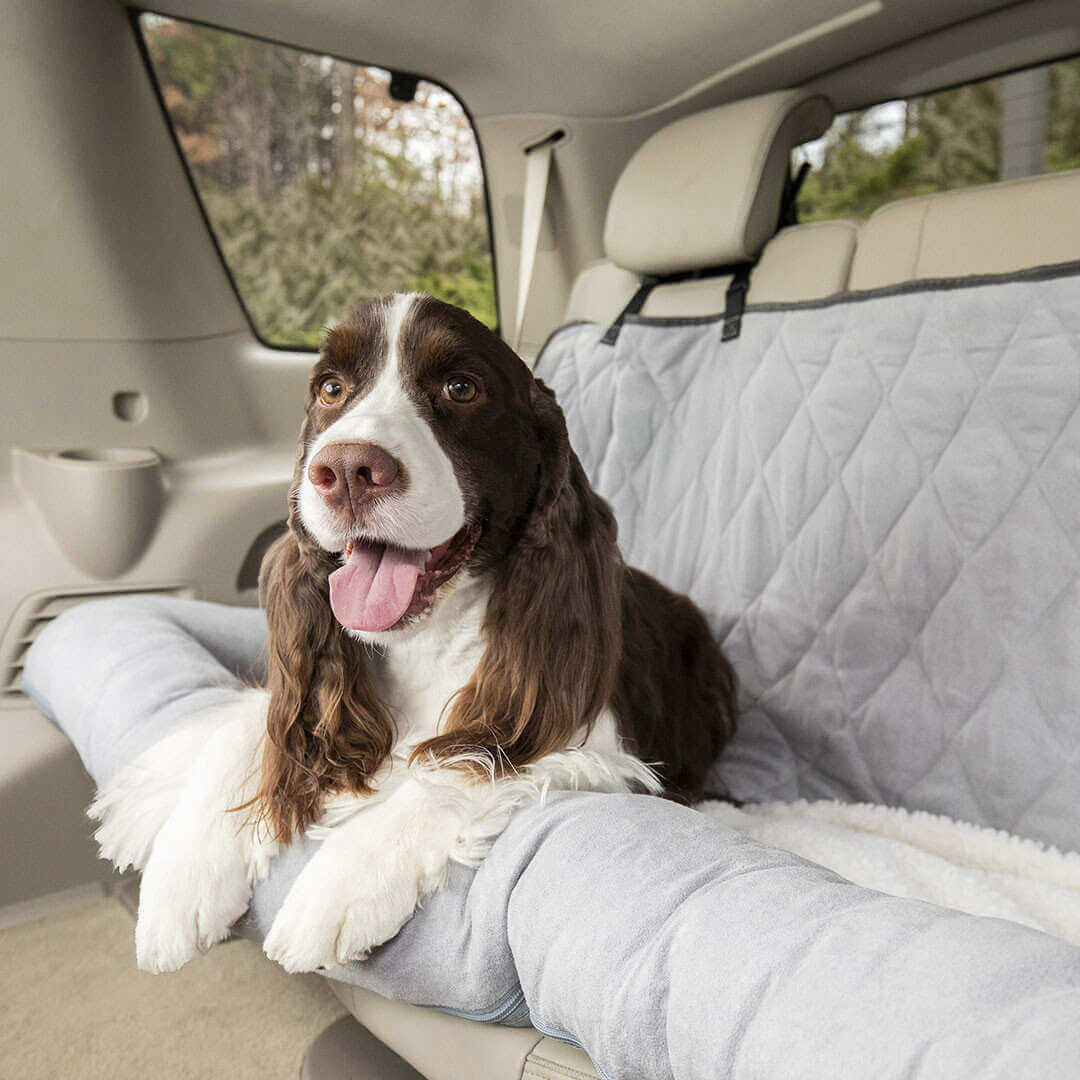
(431, 508)
(413, 463)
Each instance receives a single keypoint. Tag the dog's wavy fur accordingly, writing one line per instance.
(326, 729)
(552, 634)
(578, 672)
(552, 631)
(568, 629)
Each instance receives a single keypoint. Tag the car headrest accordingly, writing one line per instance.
(705, 191)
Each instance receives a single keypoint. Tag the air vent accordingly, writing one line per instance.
(37, 611)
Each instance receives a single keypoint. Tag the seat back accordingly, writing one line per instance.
(874, 495)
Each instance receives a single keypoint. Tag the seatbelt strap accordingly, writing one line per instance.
(537, 170)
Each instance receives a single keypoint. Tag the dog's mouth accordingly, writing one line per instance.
(381, 586)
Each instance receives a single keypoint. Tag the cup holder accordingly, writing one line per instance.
(121, 456)
(101, 505)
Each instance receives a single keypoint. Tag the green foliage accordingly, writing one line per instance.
(321, 190)
(950, 140)
(855, 181)
(322, 251)
(1063, 134)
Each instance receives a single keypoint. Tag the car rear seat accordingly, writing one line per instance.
(996, 229)
(802, 262)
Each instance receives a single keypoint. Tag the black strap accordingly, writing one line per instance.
(789, 209)
(637, 302)
(734, 299)
(735, 303)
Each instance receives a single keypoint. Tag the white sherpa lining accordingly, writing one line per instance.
(924, 857)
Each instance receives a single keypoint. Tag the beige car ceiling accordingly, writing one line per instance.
(616, 58)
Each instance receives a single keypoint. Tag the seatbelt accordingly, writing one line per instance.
(537, 170)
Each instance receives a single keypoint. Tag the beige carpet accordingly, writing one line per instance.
(73, 1005)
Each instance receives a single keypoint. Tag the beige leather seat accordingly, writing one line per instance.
(702, 192)
(802, 262)
(996, 229)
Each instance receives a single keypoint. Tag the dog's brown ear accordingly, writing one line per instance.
(552, 631)
(326, 730)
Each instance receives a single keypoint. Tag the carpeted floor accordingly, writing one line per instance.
(73, 1005)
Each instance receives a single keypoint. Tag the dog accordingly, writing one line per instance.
(452, 633)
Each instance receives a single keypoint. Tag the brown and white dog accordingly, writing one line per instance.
(452, 633)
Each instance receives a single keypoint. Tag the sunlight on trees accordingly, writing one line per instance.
(322, 190)
(935, 143)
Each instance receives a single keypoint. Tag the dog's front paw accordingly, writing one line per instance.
(187, 905)
(330, 918)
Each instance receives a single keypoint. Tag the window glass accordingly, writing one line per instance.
(321, 187)
(1000, 129)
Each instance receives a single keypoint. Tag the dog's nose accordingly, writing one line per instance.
(350, 474)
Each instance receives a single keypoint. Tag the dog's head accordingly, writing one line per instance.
(421, 452)
(430, 452)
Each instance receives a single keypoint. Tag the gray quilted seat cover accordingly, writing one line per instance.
(876, 499)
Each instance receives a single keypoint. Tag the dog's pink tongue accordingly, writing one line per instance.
(375, 586)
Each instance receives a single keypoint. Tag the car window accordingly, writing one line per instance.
(1016, 125)
(324, 182)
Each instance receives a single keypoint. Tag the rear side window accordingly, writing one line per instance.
(1016, 125)
(324, 182)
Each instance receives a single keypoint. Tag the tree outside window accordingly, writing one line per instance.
(998, 129)
(322, 190)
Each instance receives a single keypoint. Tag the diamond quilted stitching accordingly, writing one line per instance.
(878, 504)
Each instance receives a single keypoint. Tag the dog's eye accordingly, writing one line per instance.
(331, 391)
(461, 389)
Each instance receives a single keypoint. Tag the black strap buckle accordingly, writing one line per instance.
(734, 298)
(735, 303)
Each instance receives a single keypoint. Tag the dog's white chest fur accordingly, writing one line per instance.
(381, 853)
(418, 676)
